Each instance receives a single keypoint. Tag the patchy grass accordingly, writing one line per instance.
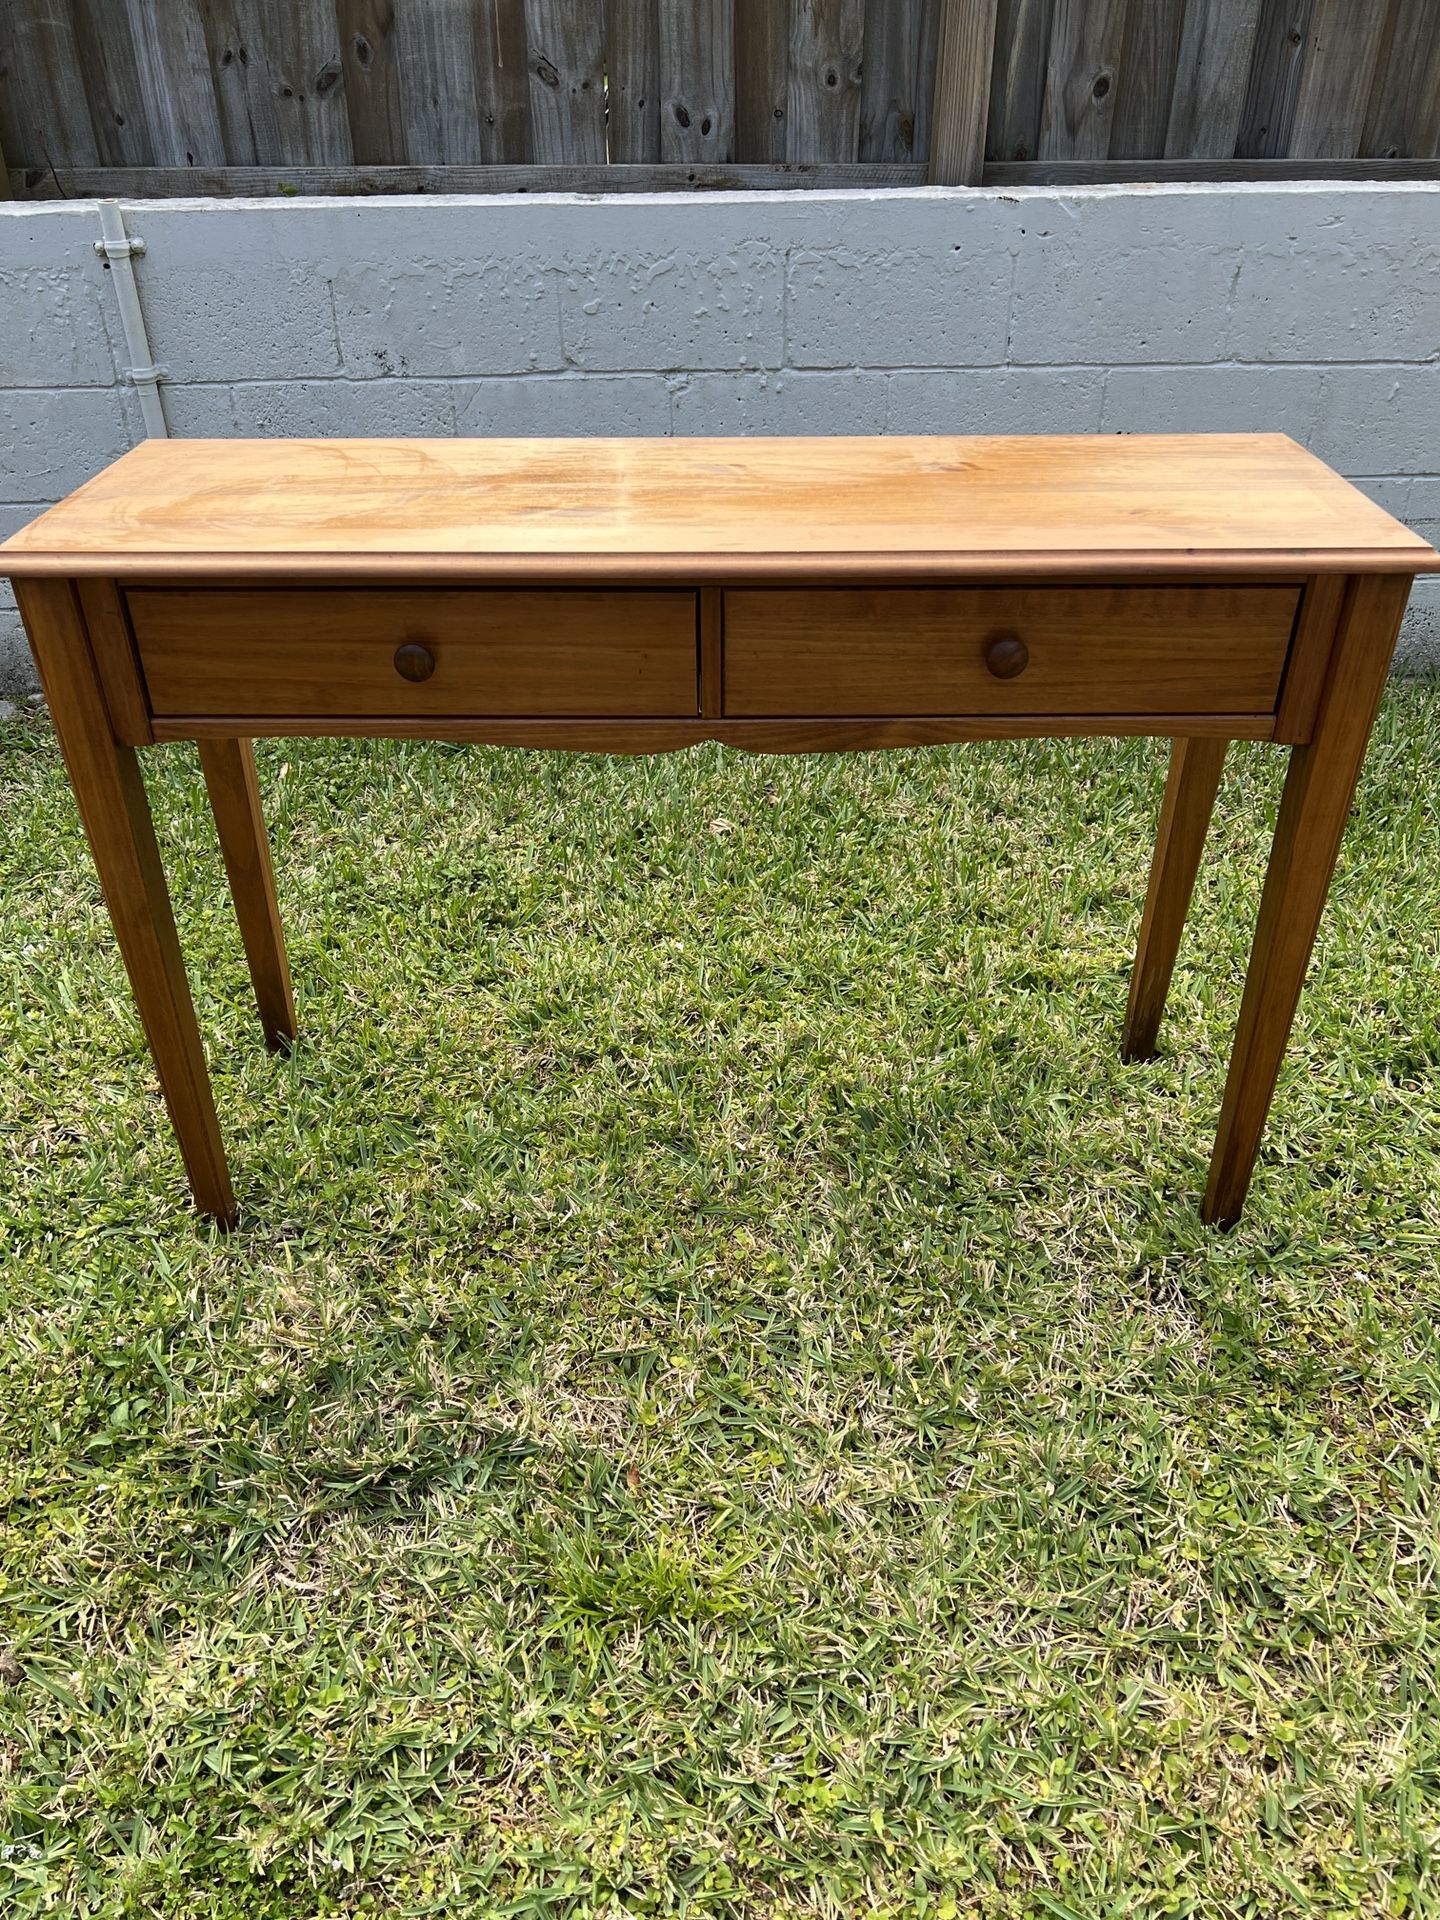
(720, 1402)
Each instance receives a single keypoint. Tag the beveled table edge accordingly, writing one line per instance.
(714, 568)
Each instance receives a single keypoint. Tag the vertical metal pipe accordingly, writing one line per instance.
(120, 250)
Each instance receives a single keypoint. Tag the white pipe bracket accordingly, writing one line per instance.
(127, 249)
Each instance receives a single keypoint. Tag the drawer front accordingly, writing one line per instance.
(964, 650)
(430, 652)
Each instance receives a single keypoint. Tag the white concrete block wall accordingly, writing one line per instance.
(1312, 308)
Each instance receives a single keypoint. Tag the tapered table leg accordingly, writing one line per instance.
(1195, 769)
(1313, 812)
(116, 814)
(229, 767)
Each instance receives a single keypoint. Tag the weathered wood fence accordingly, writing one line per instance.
(134, 96)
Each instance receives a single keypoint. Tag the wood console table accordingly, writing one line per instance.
(778, 595)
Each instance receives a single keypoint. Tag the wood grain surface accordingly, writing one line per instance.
(1078, 111)
(116, 813)
(1067, 507)
(314, 651)
(1276, 67)
(778, 595)
(1211, 77)
(567, 81)
(1314, 808)
(1342, 53)
(964, 56)
(1190, 788)
(1309, 658)
(372, 79)
(116, 661)
(750, 736)
(924, 650)
(234, 789)
(632, 62)
(1146, 82)
(827, 39)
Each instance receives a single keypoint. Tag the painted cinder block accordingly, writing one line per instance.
(270, 409)
(428, 313)
(670, 309)
(54, 439)
(780, 402)
(897, 305)
(1390, 491)
(1212, 399)
(563, 405)
(557, 404)
(1104, 280)
(1378, 419)
(997, 400)
(58, 325)
(231, 294)
(205, 411)
(1344, 274)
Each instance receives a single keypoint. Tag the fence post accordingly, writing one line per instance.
(964, 56)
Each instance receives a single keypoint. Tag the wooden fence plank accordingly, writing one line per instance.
(301, 62)
(372, 81)
(1079, 106)
(1017, 82)
(826, 44)
(762, 79)
(697, 80)
(44, 113)
(111, 80)
(1081, 173)
(897, 81)
(277, 77)
(1341, 54)
(309, 84)
(632, 62)
(142, 183)
(1146, 83)
(964, 56)
(1275, 69)
(177, 88)
(1403, 119)
(243, 98)
(464, 91)
(566, 63)
(148, 183)
(1211, 76)
(435, 59)
(502, 85)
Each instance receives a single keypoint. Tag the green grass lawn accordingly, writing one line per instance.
(720, 1402)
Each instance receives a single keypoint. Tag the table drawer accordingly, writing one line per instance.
(962, 650)
(431, 651)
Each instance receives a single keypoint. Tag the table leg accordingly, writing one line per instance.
(1313, 812)
(229, 768)
(116, 814)
(1195, 768)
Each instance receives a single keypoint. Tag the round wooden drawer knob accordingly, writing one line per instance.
(1007, 655)
(413, 661)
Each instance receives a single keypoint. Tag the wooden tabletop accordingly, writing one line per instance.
(688, 509)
